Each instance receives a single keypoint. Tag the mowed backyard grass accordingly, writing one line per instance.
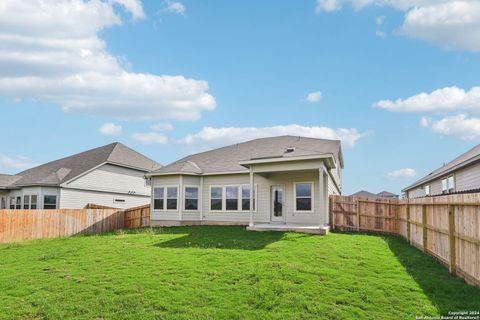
(225, 273)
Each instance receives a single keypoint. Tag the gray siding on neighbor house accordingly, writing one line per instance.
(75, 199)
(112, 178)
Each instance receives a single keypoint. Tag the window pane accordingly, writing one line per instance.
(158, 204)
(191, 192)
(34, 199)
(246, 192)
(191, 204)
(216, 193)
(303, 190)
(231, 192)
(18, 203)
(171, 193)
(158, 193)
(444, 184)
(216, 204)
(33, 206)
(50, 200)
(171, 204)
(49, 206)
(245, 204)
(232, 204)
(451, 184)
(304, 204)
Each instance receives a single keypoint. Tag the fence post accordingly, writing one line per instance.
(408, 223)
(424, 226)
(451, 231)
(358, 215)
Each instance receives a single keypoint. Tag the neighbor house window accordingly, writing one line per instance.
(448, 185)
(216, 198)
(49, 202)
(427, 190)
(246, 198)
(18, 203)
(33, 201)
(191, 198)
(12, 202)
(231, 201)
(158, 198)
(451, 184)
(26, 202)
(3, 203)
(303, 196)
(172, 196)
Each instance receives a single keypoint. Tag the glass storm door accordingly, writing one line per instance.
(277, 203)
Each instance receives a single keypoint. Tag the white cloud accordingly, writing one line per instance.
(402, 173)
(175, 7)
(313, 97)
(110, 129)
(460, 126)
(150, 138)
(379, 23)
(18, 162)
(453, 24)
(442, 100)
(51, 51)
(210, 137)
(327, 5)
(162, 126)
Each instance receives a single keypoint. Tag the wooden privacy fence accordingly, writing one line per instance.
(18, 225)
(446, 227)
(137, 217)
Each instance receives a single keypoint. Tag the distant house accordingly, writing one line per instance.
(382, 195)
(112, 175)
(270, 181)
(461, 175)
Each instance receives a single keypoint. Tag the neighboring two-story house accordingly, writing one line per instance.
(460, 175)
(278, 180)
(112, 176)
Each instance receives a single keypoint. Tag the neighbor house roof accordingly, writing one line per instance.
(469, 157)
(6, 180)
(59, 171)
(366, 194)
(227, 159)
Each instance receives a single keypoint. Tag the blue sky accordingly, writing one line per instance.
(395, 80)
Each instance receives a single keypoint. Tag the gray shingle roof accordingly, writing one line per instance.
(59, 171)
(6, 180)
(364, 194)
(469, 157)
(227, 159)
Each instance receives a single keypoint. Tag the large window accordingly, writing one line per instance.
(165, 198)
(216, 198)
(3, 203)
(18, 203)
(33, 201)
(49, 202)
(303, 196)
(26, 202)
(158, 198)
(231, 201)
(231, 198)
(427, 190)
(12, 202)
(191, 198)
(246, 198)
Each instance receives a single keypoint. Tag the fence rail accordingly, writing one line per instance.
(137, 217)
(446, 227)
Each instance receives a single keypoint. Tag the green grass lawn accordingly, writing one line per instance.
(225, 273)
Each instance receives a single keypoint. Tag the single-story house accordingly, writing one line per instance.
(271, 181)
(384, 195)
(461, 175)
(112, 176)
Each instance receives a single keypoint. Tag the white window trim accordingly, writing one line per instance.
(165, 197)
(185, 198)
(312, 183)
(36, 203)
(239, 198)
(51, 195)
(29, 199)
(448, 184)
(427, 188)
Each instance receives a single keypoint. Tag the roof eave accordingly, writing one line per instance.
(329, 157)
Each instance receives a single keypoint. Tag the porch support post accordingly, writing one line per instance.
(251, 197)
(323, 196)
